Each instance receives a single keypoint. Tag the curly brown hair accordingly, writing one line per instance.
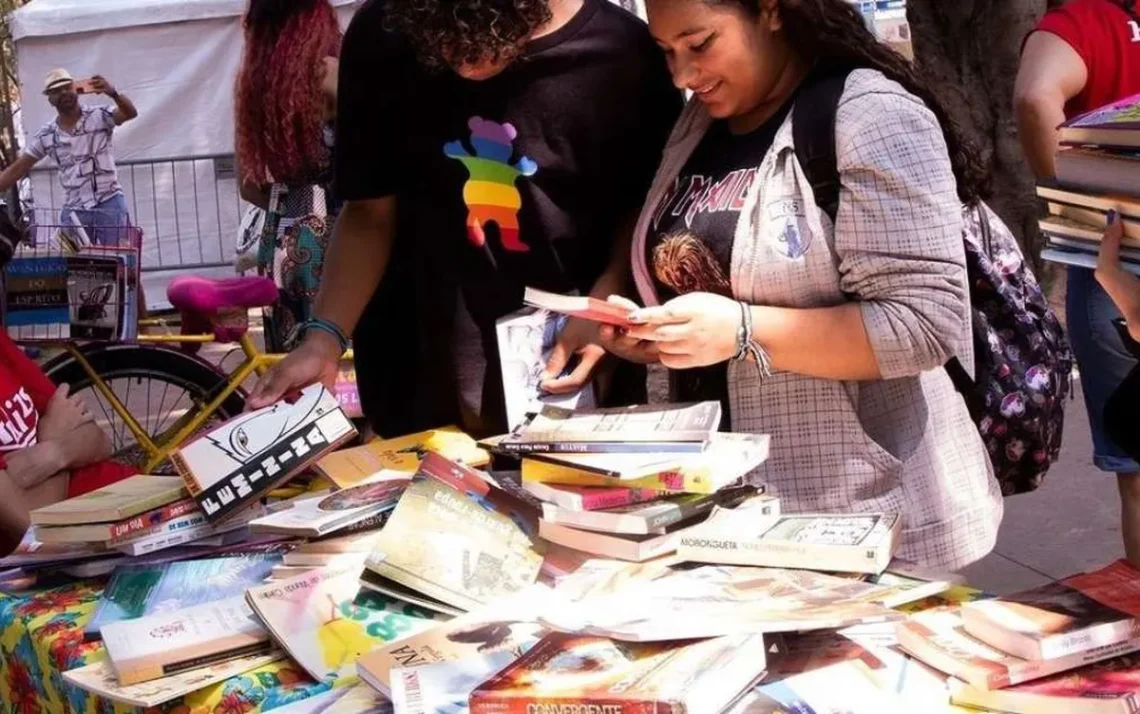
(455, 32)
(833, 35)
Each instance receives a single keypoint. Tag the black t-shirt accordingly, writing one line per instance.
(519, 180)
(689, 247)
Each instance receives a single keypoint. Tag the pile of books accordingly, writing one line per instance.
(1098, 170)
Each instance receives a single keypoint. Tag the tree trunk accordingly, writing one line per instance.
(968, 50)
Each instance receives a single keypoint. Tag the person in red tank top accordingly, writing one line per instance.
(1082, 56)
(50, 446)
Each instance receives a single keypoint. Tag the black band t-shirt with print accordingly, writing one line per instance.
(519, 180)
(689, 247)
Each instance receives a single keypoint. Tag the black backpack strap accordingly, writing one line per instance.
(813, 133)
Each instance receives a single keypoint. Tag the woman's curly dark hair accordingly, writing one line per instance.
(455, 32)
(833, 35)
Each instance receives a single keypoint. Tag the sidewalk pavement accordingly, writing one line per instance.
(1070, 524)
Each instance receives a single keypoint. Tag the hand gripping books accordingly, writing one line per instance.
(236, 463)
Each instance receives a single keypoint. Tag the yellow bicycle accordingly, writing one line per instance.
(153, 394)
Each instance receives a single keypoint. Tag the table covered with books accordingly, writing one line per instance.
(417, 575)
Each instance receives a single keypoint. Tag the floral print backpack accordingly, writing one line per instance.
(1022, 360)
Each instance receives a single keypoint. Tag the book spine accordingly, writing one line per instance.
(148, 523)
(179, 538)
(603, 447)
(490, 703)
(184, 471)
(1089, 638)
(613, 498)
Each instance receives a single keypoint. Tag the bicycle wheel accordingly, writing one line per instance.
(160, 386)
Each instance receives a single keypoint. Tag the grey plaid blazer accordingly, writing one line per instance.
(903, 444)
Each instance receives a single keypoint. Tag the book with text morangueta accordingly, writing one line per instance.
(1074, 615)
(576, 673)
(655, 424)
(115, 502)
(646, 518)
(236, 463)
(863, 543)
(1116, 125)
(155, 646)
(587, 308)
(1109, 687)
(938, 638)
(143, 524)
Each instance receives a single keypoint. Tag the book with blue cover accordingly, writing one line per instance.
(138, 590)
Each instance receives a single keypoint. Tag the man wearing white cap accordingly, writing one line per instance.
(78, 140)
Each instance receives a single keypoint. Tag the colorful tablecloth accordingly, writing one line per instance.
(41, 636)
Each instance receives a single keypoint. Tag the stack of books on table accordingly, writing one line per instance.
(629, 483)
(1070, 646)
(1097, 172)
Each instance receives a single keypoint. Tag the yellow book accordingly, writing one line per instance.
(351, 467)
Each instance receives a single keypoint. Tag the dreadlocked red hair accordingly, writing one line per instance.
(278, 96)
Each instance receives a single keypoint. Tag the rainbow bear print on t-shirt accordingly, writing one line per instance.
(490, 192)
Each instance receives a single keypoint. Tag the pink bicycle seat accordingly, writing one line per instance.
(207, 296)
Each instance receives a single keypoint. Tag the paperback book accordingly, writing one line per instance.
(575, 673)
(115, 502)
(325, 622)
(236, 463)
(144, 524)
(1109, 687)
(447, 545)
(399, 457)
(157, 646)
(321, 515)
(847, 687)
(939, 638)
(585, 498)
(634, 548)
(390, 588)
(1112, 126)
(35, 292)
(646, 518)
(151, 589)
(856, 543)
(96, 296)
(680, 427)
(100, 679)
(1080, 613)
(587, 308)
(443, 687)
(1099, 171)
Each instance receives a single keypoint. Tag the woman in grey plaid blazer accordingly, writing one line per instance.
(834, 335)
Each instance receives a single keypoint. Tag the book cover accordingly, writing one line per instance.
(156, 646)
(189, 529)
(100, 679)
(151, 589)
(586, 498)
(633, 548)
(448, 545)
(646, 518)
(1127, 206)
(642, 423)
(399, 457)
(727, 459)
(1079, 613)
(385, 586)
(325, 514)
(236, 463)
(325, 622)
(587, 308)
(357, 699)
(443, 687)
(654, 601)
(1109, 687)
(575, 673)
(1098, 171)
(148, 523)
(938, 637)
(94, 285)
(115, 502)
(847, 687)
(856, 543)
(526, 340)
(1120, 117)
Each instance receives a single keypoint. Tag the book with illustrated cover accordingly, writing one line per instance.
(1116, 125)
(654, 601)
(686, 427)
(138, 590)
(399, 457)
(95, 295)
(508, 625)
(576, 673)
(847, 687)
(443, 687)
(939, 638)
(157, 646)
(726, 460)
(321, 515)
(633, 548)
(587, 308)
(586, 498)
(526, 340)
(236, 463)
(35, 291)
(144, 524)
(325, 622)
(862, 543)
(192, 529)
(447, 545)
(100, 679)
(1080, 613)
(380, 584)
(646, 518)
(1109, 687)
(120, 500)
